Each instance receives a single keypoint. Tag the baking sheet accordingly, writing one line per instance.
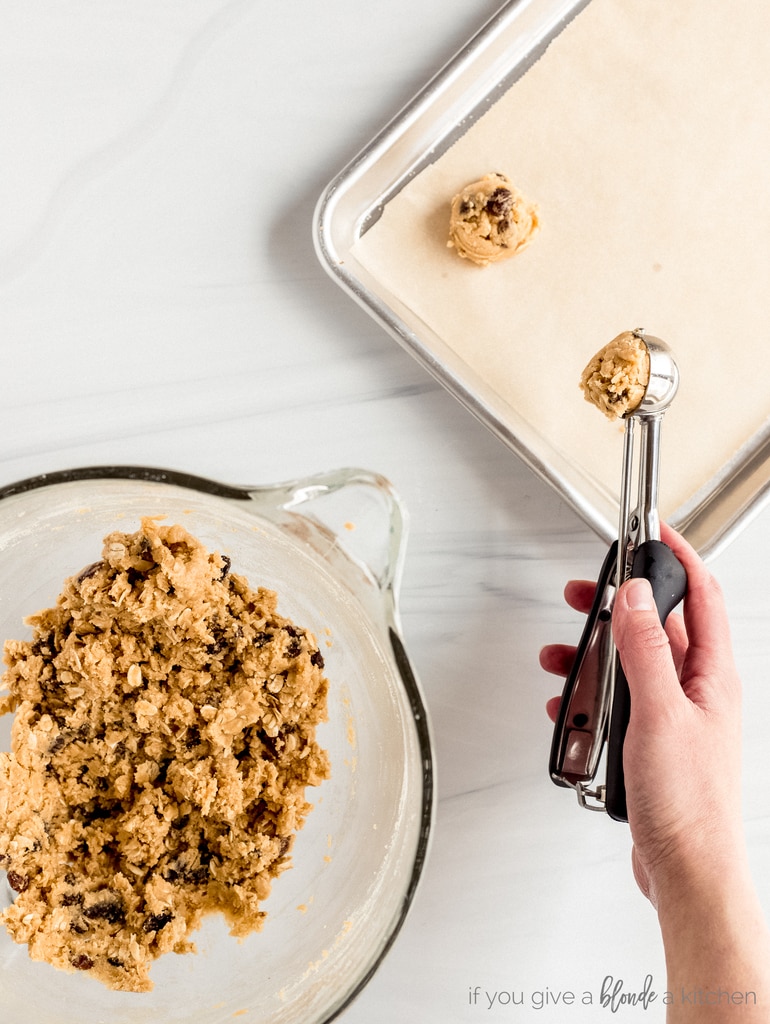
(641, 133)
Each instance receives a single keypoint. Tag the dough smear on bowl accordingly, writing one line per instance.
(616, 379)
(163, 738)
(490, 220)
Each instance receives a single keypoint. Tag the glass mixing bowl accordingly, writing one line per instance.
(331, 546)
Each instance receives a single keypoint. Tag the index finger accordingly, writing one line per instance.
(579, 594)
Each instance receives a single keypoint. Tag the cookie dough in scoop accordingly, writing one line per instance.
(491, 220)
(616, 379)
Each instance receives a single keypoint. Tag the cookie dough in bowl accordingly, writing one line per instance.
(163, 743)
(345, 879)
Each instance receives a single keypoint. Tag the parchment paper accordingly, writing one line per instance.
(643, 133)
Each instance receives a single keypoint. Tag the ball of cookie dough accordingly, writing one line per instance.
(616, 378)
(491, 220)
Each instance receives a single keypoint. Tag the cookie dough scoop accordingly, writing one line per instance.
(634, 378)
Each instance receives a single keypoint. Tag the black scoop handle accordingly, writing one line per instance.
(656, 562)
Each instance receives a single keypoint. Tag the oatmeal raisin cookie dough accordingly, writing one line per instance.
(616, 378)
(490, 220)
(163, 739)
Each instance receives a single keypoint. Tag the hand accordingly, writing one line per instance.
(681, 760)
(682, 748)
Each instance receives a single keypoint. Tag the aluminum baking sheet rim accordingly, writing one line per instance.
(726, 503)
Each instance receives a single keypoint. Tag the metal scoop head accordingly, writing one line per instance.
(642, 523)
(664, 377)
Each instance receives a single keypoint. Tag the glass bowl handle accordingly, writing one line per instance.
(359, 511)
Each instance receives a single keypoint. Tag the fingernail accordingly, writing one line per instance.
(639, 595)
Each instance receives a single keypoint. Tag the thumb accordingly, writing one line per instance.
(644, 648)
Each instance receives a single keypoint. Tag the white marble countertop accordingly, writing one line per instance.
(161, 304)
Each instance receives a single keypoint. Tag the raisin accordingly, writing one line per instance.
(58, 743)
(179, 871)
(90, 570)
(192, 737)
(115, 961)
(112, 911)
(17, 882)
(225, 567)
(82, 962)
(500, 202)
(74, 899)
(285, 844)
(260, 639)
(155, 922)
(317, 659)
(294, 649)
(220, 641)
(193, 876)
